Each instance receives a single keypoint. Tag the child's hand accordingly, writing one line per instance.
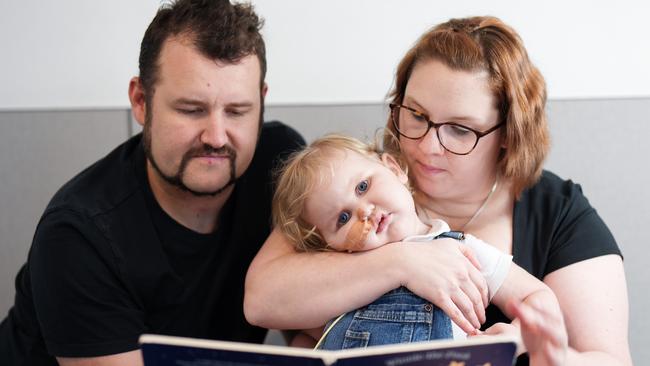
(542, 331)
(504, 329)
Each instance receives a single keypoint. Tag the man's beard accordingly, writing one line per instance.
(176, 180)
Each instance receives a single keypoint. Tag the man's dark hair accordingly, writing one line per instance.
(218, 29)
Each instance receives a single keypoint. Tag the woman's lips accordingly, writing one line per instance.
(429, 169)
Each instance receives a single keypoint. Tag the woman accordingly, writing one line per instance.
(468, 114)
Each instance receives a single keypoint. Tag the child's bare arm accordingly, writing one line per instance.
(523, 287)
(531, 304)
(506, 280)
(539, 327)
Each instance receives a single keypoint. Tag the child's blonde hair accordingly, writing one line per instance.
(303, 171)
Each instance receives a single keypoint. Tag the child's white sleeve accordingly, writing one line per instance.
(494, 263)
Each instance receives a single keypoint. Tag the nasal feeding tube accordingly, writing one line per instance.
(356, 237)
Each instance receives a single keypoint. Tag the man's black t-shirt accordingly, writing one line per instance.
(554, 226)
(108, 264)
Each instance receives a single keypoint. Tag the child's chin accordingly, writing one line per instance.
(370, 246)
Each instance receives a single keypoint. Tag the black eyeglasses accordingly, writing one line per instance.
(454, 137)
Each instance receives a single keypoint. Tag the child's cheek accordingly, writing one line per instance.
(357, 235)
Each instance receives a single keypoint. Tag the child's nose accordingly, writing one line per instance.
(365, 211)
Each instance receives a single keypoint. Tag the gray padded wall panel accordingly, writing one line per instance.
(40, 152)
(603, 145)
(43, 150)
(361, 121)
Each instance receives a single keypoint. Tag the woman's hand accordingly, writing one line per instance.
(448, 275)
(542, 331)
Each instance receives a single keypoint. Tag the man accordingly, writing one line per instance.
(157, 236)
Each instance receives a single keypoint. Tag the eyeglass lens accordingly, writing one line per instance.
(454, 138)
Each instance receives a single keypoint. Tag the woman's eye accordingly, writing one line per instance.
(418, 117)
(343, 219)
(459, 130)
(362, 187)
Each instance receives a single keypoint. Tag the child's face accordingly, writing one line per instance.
(364, 205)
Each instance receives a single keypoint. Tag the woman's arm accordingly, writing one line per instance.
(290, 290)
(593, 298)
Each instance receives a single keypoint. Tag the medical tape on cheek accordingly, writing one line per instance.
(358, 233)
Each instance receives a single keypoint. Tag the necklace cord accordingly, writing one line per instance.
(480, 209)
(476, 213)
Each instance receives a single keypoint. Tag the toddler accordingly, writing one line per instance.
(340, 194)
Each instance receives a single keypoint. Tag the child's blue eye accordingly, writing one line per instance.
(344, 217)
(362, 187)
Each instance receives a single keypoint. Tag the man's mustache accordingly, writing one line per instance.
(207, 150)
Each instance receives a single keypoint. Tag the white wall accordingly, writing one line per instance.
(80, 54)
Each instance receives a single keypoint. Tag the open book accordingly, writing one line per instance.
(164, 350)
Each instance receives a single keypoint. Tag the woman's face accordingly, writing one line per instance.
(463, 97)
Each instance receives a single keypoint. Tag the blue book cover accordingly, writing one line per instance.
(176, 351)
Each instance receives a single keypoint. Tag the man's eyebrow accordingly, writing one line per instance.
(188, 101)
(191, 101)
(240, 104)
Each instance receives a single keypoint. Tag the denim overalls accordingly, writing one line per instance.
(399, 316)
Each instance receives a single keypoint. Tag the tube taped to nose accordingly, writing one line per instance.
(356, 237)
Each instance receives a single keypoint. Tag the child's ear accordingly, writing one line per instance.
(389, 161)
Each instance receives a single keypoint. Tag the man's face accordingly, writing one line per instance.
(202, 123)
